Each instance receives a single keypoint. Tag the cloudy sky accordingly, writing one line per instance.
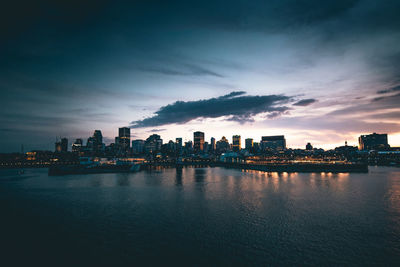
(316, 71)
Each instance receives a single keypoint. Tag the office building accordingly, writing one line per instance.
(198, 141)
(223, 145)
(153, 144)
(373, 142)
(276, 142)
(124, 138)
(212, 144)
(236, 143)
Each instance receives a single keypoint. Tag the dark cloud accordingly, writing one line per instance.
(184, 70)
(156, 130)
(388, 99)
(389, 90)
(305, 102)
(236, 105)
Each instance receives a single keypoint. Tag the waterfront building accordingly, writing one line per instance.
(198, 140)
(373, 142)
(236, 143)
(276, 142)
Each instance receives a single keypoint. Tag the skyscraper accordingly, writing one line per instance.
(178, 144)
(236, 143)
(153, 143)
(97, 141)
(124, 138)
(212, 144)
(198, 140)
(223, 145)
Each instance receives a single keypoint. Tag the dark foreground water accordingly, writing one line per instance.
(206, 216)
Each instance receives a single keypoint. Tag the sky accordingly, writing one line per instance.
(323, 72)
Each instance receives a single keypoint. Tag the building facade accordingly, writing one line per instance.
(236, 143)
(124, 139)
(198, 141)
(276, 142)
(373, 142)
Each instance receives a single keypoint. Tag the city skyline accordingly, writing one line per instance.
(323, 73)
(125, 144)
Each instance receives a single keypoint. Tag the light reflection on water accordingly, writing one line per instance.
(207, 216)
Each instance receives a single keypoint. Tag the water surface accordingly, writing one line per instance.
(204, 216)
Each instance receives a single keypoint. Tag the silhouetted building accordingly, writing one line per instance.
(249, 144)
(309, 146)
(138, 146)
(346, 150)
(171, 147)
(178, 144)
(198, 141)
(256, 147)
(153, 143)
(62, 145)
(77, 146)
(236, 143)
(223, 145)
(212, 144)
(373, 142)
(124, 138)
(276, 142)
(206, 147)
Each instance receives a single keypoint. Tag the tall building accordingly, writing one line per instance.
(62, 145)
(77, 146)
(153, 143)
(249, 144)
(223, 145)
(138, 146)
(236, 143)
(373, 141)
(212, 144)
(198, 141)
(276, 142)
(124, 138)
(97, 141)
(178, 144)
